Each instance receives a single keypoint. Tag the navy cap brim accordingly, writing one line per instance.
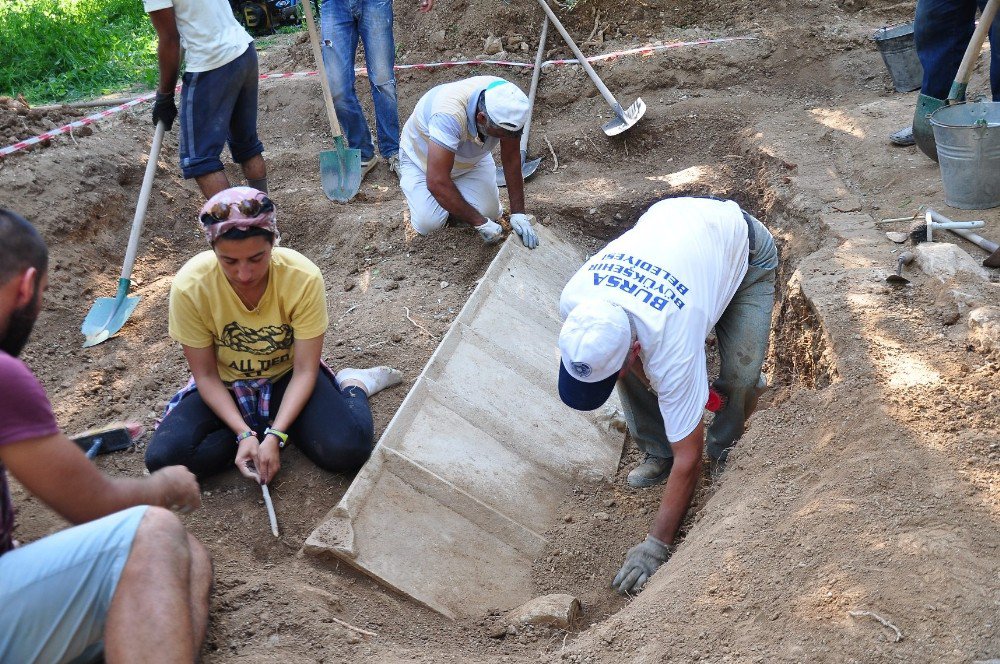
(584, 396)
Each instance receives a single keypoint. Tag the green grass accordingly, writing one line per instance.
(61, 50)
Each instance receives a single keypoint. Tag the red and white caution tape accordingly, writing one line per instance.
(644, 51)
(67, 128)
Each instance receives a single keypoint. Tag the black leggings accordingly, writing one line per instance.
(334, 430)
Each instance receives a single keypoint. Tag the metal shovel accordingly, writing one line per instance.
(625, 117)
(108, 314)
(528, 168)
(340, 168)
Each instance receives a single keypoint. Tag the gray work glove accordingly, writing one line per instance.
(491, 232)
(521, 223)
(640, 562)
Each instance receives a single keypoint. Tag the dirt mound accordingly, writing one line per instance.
(19, 121)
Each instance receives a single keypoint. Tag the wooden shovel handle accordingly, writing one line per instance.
(976, 44)
(331, 113)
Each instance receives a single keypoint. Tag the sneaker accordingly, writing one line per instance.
(903, 137)
(394, 166)
(652, 471)
(368, 164)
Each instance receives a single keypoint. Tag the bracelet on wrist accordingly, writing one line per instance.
(246, 434)
(280, 435)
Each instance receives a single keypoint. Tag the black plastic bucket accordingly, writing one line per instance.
(900, 55)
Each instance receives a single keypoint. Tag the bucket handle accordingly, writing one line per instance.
(979, 129)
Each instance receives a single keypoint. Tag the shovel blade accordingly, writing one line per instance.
(340, 171)
(629, 117)
(528, 169)
(106, 318)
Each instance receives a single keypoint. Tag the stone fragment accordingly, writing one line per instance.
(984, 328)
(945, 261)
(493, 45)
(557, 610)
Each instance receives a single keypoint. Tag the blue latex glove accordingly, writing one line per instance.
(491, 231)
(640, 562)
(521, 223)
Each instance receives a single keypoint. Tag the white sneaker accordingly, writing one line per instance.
(368, 164)
(394, 166)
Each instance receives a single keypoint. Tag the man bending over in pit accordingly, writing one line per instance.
(636, 316)
(219, 97)
(127, 578)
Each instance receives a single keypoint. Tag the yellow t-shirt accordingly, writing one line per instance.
(206, 311)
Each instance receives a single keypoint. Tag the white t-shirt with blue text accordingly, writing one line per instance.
(676, 272)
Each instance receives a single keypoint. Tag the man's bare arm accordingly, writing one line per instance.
(510, 158)
(58, 473)
(439, 164)
(168, 49)
(681, 483)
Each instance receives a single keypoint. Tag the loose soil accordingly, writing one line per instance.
(868, 480)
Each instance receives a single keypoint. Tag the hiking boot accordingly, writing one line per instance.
(652, 471)
(394, 166)
(903, 137)
(368, 164)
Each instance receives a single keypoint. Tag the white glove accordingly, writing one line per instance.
(491, 232)
(640, 562)
(521, 223)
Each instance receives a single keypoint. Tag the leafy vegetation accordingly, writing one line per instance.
(61, 50)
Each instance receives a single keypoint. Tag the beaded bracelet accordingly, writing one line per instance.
(246, 434)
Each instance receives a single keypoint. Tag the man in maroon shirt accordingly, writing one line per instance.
(128, 578)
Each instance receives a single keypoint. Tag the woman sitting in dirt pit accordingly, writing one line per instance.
(251, 316)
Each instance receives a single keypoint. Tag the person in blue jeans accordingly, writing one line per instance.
(942, 30)
(637, 315)
(342, 23)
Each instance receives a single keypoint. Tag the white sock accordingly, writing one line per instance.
(374, 379)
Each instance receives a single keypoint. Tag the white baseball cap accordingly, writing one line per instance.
(594, 343)
(506, 105)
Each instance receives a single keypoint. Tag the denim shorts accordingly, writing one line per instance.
(55, 593)
(219, 107)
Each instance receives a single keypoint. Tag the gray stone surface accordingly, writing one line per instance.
(471, 470)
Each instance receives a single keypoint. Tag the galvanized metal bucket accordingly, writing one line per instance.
(968, 148)
(900, 55)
